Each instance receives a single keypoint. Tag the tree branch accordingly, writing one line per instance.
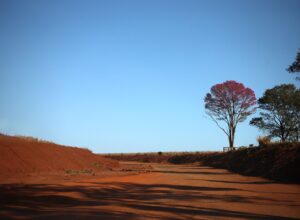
(227, 133)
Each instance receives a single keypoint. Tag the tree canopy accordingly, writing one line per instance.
(280, 115)
(230, 102)
(295, 66)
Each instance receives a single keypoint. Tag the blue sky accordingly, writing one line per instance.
(130, 76)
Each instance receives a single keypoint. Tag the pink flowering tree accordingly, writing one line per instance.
(230, 102)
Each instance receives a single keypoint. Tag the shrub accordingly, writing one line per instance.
(263, 141)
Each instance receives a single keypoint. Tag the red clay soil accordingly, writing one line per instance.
(20, 155)
(176, 192)
(166, 192)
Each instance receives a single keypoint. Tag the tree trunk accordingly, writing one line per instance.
(282, 137)
(230, 142)
(282, 133)
(231, 137)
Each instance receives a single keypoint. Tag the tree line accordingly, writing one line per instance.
(279, 108)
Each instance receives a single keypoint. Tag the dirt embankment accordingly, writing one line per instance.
(280, 161)
(23, 155)
(142, 157)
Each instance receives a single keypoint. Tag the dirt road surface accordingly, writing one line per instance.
(168, 192)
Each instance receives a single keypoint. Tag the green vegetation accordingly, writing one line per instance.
(280, 113)
(75, 172)
(295, 66)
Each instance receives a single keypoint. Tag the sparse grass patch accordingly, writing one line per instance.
(98, 165)
(75, 172)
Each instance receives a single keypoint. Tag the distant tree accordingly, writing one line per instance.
(295, 66)
(230, 102)
(280, 115)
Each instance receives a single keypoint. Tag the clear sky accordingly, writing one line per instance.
(130, 76)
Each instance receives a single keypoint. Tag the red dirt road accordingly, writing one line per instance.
(168, 192)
